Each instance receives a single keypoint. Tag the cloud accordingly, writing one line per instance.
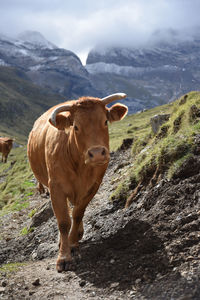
(79, 25)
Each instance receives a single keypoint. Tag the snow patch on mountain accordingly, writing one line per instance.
(101, 67)
(34, 52)
(3, 63)
(35, 38)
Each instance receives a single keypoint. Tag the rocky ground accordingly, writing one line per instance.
(149, 251)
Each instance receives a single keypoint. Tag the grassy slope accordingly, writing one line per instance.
(163, 153)
(16, 180)
(171, 148)
(135, 125)
(20, 103)
(149, 151)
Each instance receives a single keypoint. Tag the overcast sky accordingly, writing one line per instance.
(79, 25)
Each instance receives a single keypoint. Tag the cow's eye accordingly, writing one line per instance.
(106, 123)
(75, 128)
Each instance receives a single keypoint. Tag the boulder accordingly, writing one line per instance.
(157, 120)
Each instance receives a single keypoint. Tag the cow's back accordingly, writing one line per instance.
(7, 139)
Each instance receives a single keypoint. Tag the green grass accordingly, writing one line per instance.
(135, 126)
(10, 268)
(151, 152)
(16, 181)
(26, 230)
(32, 213)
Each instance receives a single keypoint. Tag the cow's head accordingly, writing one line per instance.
(86, 120)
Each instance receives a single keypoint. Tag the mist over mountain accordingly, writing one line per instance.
(35, 38)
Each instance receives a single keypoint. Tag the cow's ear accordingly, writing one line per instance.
(62, 122)
(117, 112)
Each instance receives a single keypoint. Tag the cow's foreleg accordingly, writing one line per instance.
(80, 231)
(77, 230)
(77, 216)
(61, 211)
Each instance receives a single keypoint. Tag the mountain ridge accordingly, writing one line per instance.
(166, 70)
(57, 69)
(149, 76)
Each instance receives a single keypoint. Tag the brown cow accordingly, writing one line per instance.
(5, 147)
(68, 149)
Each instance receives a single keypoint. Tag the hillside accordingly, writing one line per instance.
(21, 102)
(150, 250)
(161, 155)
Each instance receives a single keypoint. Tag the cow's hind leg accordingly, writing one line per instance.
(61, 210)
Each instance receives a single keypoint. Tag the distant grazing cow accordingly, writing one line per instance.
(68, 150)
(5, 147)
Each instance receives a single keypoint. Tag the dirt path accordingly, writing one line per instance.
(149, 251)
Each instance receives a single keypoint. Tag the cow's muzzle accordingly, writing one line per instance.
(98, 155)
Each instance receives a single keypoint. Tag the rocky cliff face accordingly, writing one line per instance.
(59, 70)
(152, 75)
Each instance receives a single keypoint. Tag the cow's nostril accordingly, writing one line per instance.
(90, 154)
(103, 152)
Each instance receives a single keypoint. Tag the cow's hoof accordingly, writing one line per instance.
(75, 252)
(64, 265)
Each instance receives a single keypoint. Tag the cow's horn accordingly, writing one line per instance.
(57, 110)
(113, 97)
